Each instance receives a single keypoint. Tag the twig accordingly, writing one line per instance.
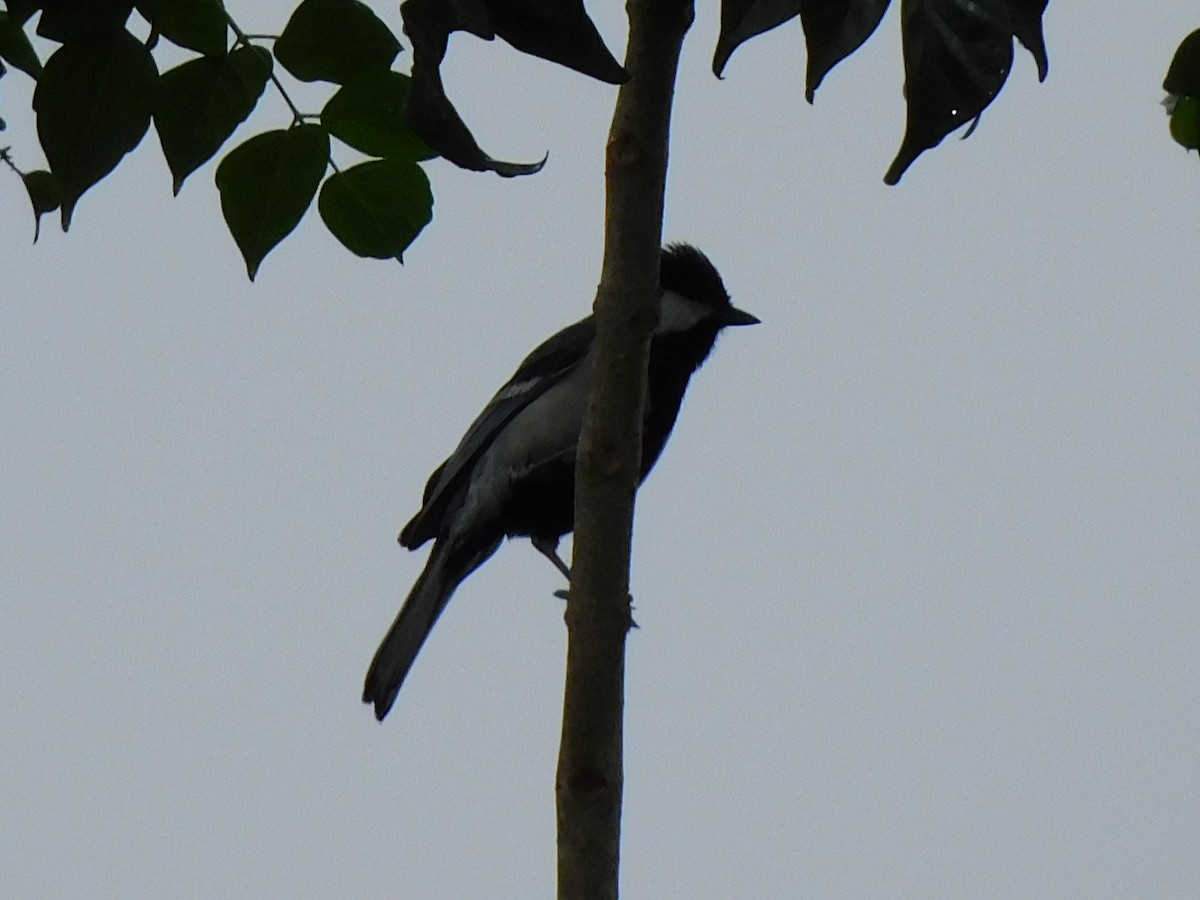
(244, 39)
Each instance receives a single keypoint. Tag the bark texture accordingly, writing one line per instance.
(589, 780)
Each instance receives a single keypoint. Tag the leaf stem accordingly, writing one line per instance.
(7, 160)
(244, 39)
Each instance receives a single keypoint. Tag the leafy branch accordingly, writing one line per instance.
(101, 88)
(241, 39)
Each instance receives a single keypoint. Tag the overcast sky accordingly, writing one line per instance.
(917, 575)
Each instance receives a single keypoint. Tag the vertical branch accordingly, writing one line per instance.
(589, 780)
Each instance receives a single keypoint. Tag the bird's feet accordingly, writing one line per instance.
(549, 549)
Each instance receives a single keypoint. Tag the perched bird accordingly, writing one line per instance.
(513, 472)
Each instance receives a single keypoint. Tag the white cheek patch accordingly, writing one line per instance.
(676, 313)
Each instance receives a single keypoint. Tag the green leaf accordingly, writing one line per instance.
(45, 194)
(368, 114)
(743, 19)
(1027, 28)
(335, 40)
(93, 107)
(832, 31)
(377, 208)
(1183, 77)
(15, 47)
(957, 57)
(1185, 122)
(429, 24)
(267, 184)
(22, 10)
(199, 25)
(198, 105)
(559, 31)
(69, 20)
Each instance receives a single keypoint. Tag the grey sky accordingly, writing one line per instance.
(916, 576)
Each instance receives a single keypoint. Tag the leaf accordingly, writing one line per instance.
(198, 25)
(744, 19)
(93, 107)
(335, 40)
(267, 184)
(429, 23)
(68, 20)
(45, 194)
(368, 114)
(1027, 26)
(833, 29)
(199, 104)
(1183, 77)
(957, 56)
(1185, 122)
(957, 53)
(22, 10)
(556, 30)
(377, 208)
(15, 47)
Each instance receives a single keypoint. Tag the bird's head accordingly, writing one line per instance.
(694, 299)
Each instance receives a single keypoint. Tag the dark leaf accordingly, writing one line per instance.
(428, 23)
(335, 40)
(1183, 77)
(368, 114)
(1027, 26)
(267, 184)
(15, 47)
(22, 10)
(1185, 122)
(744, 19)
(198, 105)
(377, 208)
(556, 30)
(833, 29)
(44, 193)
(93, 107)
(199, 25)
(68, 20)
(956, 58)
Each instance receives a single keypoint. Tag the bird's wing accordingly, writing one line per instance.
(545, 367)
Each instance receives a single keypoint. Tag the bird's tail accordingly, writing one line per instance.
(449, 563)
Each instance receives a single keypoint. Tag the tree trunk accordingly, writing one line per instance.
(589, 780)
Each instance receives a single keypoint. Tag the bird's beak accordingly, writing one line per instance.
(735, 316)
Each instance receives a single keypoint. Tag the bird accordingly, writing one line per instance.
(513, 472)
